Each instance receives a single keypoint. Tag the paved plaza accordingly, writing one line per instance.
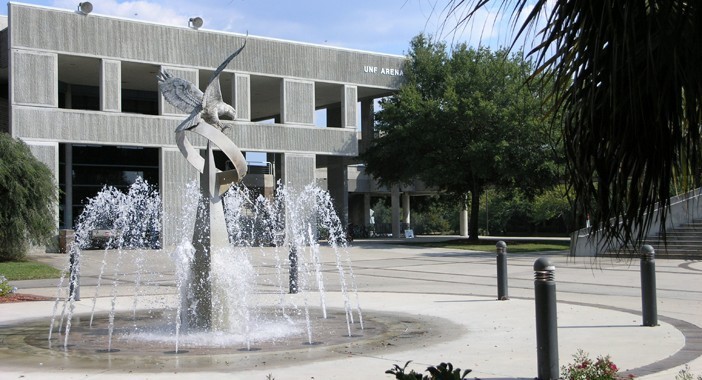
(452, 295)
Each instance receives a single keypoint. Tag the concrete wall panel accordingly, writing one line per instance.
(34, 78)
(298, 170)
(297, 102)
(175, 174)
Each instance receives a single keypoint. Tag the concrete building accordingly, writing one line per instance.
(81, 91)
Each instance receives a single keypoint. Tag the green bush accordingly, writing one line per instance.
(443, 371)
(5, 288)
(28, 200)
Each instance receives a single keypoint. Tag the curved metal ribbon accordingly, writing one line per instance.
(220, 181)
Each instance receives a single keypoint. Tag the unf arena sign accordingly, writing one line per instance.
(383, 71)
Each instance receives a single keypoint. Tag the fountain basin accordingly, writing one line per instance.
(25, 345)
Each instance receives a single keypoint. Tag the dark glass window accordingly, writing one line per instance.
(136, 101)
(96, 166)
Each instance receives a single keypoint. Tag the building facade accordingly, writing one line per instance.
(82, 92)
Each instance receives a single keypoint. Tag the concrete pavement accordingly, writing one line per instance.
(452, 293)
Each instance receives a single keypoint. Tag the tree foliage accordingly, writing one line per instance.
(462, 121)
(626, 81)
(28, 199)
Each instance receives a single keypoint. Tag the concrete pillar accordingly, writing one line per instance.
(349, 101)
(47, 152)
(68, 190)
(395, 208)
(338, 186)
(110, 85)
(241, 96)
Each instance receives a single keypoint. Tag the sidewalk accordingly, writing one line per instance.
(454, 292)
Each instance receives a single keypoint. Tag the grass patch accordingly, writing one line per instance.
(27, 270)
(489, 245)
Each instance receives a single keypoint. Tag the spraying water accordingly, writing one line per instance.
(268, 239)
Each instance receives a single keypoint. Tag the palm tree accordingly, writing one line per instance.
(627, 85)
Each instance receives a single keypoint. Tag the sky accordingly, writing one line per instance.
(383, 26)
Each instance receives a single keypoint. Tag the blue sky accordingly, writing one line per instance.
(384, 26)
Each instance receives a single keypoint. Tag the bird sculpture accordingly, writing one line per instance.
(207, 106)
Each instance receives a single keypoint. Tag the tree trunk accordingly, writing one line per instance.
(474, 214)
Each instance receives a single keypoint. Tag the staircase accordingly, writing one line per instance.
(683, 238)
(682, 242)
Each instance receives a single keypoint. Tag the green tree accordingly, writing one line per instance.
(461, 122)
(625, 78)
(28, 199)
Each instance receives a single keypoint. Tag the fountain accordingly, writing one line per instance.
(213, 263)
(244, 307)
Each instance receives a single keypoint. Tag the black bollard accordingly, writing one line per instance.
(74, 274)
(501, 247)
(293, 270)
(546, 319)
(648, 286)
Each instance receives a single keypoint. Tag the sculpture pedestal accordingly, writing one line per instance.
(210, 234)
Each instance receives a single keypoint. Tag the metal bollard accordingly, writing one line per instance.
(74, 274)
(648, 286)
(293, 270)
(501, 248)
(546, 319)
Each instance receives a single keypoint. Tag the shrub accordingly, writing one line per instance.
(5, 288)
(28, 199)
(443, 371)
(584, 368)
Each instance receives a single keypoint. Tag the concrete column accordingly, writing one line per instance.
(395, 208)
(406, 208)
(68, 191)
(241, 96)
(349, 100)
(47, 153)
(110, 85)
(338, 186)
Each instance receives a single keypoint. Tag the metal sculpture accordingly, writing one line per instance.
(210, 227)
(204, 111)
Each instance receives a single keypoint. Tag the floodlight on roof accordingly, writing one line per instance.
(195, 22)
(85, 8)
